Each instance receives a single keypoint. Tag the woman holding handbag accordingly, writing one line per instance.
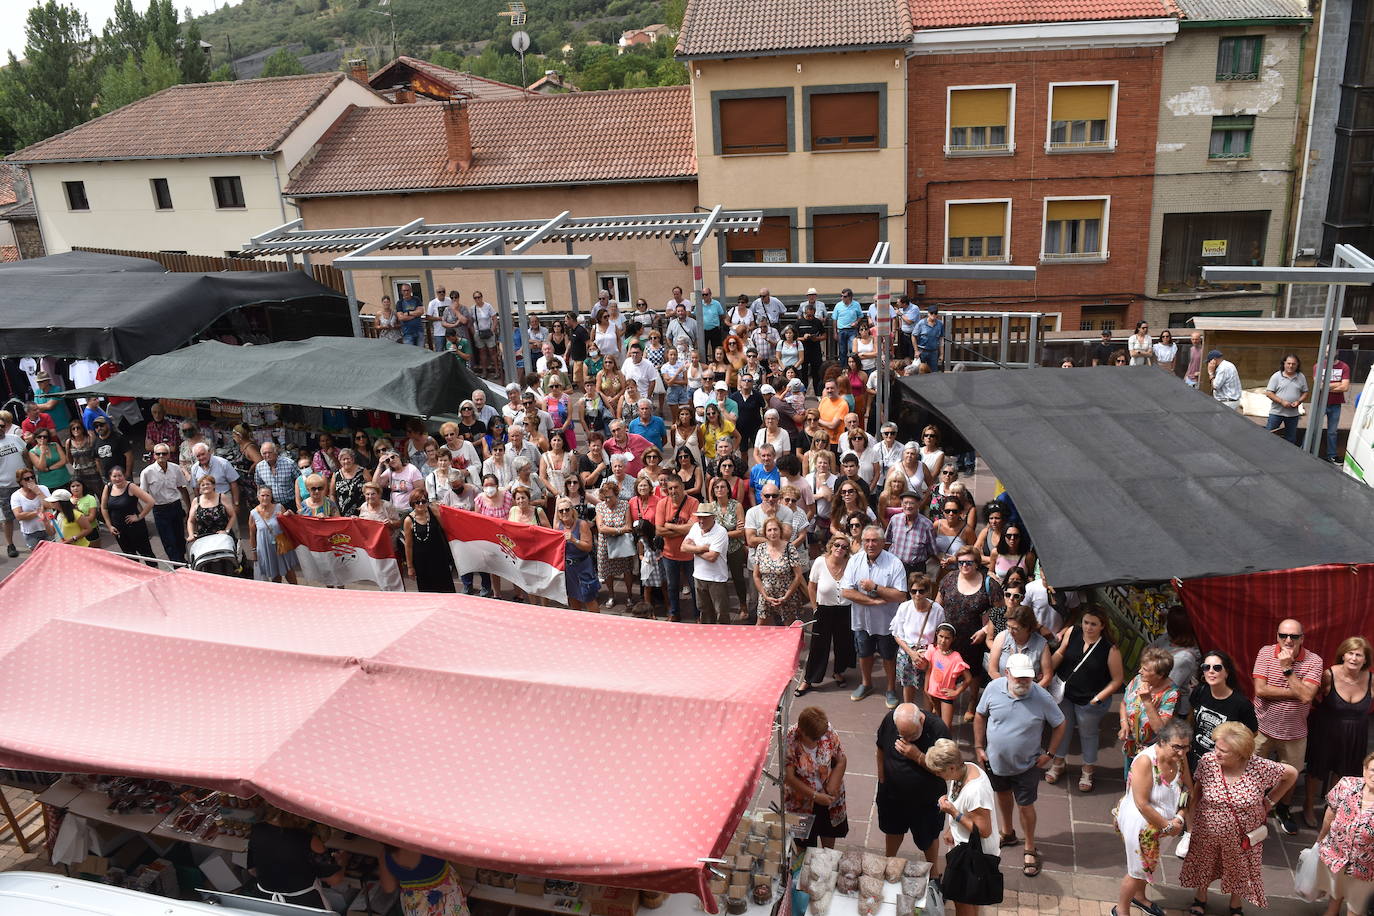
(1233, 793)
(971, 809)
(1090, 669)
(266, 540)
(1156, 791)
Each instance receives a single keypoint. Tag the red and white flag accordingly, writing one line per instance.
(528, 556)
(336, 551)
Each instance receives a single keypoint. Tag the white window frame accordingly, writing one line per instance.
(1104, 254)
(1006, 232)
(615, 275)
(532, 304)
(1011, 122)
(1111, 119)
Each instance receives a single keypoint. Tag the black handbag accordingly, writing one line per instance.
(971, 875)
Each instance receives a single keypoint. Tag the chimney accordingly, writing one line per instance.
(357, 70)
(458, 134)
(404, 95)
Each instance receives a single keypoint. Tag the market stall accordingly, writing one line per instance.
(530, 740)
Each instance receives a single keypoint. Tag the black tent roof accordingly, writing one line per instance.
(97, 306)
(1127, 475)
(346, 372)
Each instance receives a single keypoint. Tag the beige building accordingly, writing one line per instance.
(800, 111)
(197, 168)
(1229, 101)
(608, 153)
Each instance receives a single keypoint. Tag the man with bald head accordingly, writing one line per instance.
(1287, 678)
(908, 792)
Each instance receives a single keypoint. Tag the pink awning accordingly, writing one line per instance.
(533, 740)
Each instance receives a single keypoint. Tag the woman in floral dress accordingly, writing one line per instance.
(778, 577)
(815, 777)
(613, 520)
(1233, 793)
(1149, 702)
(428, 886)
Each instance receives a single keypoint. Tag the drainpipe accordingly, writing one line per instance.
(1306, 154)
(276, 175)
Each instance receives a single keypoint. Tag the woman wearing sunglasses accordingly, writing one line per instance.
(968, 599)
(1216, 700)
(428, 558)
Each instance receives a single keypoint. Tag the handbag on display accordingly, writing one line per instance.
(971, 875)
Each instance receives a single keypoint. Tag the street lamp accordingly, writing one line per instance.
(680, 249)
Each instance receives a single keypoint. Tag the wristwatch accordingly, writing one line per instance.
(1287, 672)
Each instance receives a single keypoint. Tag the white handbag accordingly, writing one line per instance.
(1057, 684)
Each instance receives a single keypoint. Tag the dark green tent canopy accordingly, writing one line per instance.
(342, 372)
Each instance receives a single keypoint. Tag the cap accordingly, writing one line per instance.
(60, 496)
(1215, 354)
(812, 292)
(1020, 666)
(1106, 332)
(796, 383)
(721, 386)
(932, 309)
(703, 510)
(768, 389)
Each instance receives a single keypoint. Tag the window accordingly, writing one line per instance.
(228, 192)
(533, 283)
(844, 120)
(1075, 230)
(618, 285)
(162, 195)
(1239, 58)
(754, 125)
(844, 237)
(1106, 317)
(773, 242)
(1192, 241)
(76, 195)
(1081, 117)
(1231, 137)
(980, 121)
(976, 230)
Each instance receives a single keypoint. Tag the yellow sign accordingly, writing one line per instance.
(1214, 248)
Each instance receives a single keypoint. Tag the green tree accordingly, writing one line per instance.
(195, 60)
(224, 73)
(152, 71)
(282, 63)
(126, 32)
(54, 88)
(163, 30)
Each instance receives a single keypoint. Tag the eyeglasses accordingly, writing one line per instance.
(770, 496)
(1181, 748)
(968, 562)
(26, 478)
(316, 489)
(951, 511)
(1013, 534)
(162, 454)
(1017, 595)
(889, 432)
(1293, 636)
(1213, 667)
(947, 473)
(419, 502)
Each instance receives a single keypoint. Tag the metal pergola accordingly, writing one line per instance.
(882, 273)
(1349, 267)
(503, 246)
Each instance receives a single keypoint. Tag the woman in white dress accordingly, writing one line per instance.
(1140, 346)
(932, 456)
(969, 803)
(1166, 351)
(1149, 811)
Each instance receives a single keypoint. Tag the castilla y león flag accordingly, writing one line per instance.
(527, 556)
(336, 551)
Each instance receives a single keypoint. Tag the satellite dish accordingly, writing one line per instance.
(520, 41)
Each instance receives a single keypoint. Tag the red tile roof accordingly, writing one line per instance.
(570, 138)
(8, 253)
(724, 28)
(9, 174)
(196, 119)
(468, 85)
(938, 14)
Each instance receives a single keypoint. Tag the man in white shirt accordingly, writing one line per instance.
(435, 312)
(813, 298)
(213, 466)
(1225, 380)
(767, 305)
(12, 451)
(676, 299)
(640, 371)
(26, 504)
(708, 543)
(874, 584)
(852, 425)
(682, 325)
(480, 408)
(168, 485)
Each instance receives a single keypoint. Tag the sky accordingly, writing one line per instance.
(14, 13)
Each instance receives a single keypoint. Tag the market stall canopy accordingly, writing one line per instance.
(347, 372)
(527, 739)
(1127, 475)
(84, 305)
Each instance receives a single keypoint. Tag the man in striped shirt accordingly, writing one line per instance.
(1287, 678)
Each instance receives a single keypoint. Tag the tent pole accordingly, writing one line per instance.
(1316, 413)
(524, 319)
(782, 784)
(572, 285)
(353, 314)
(503, 311)
(429, 279)
(883, 300)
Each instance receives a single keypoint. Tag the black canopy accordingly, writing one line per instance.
(106, 307)
(1127, 475)
(345, 372)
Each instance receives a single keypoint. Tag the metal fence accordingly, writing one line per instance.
(324, 274)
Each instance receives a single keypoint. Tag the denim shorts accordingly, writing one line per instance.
(866, 643)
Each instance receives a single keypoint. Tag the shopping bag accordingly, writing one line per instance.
(971, 875)
(1305, 878)
(73, 841)
(933, 903)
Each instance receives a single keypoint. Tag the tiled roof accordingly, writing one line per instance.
(720, 28)
(939, 14)
(8, 253)
(10, 207)
(1243, 9)
(474, 87)
(9, 174)
(579, 137)
(195, 119)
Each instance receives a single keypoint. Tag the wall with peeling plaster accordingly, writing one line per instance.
(1187, 181)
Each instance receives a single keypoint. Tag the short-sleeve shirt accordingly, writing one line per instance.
(655, 430)
(886, 572)
(1349, 846)
(717, 540)
(1209, 712)
(1015, 726)
(110, 453)
(1284, 720)
(668, 512)
(1286, 389)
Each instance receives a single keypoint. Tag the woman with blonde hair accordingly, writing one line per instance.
(969, 805)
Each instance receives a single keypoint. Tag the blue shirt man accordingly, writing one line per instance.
(763, 472)
(928, 335)
(711, 311)
(846, 314)
(411, 312)
(649, 425)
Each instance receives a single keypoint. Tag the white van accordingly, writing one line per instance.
(1359, 447)
(28, 893)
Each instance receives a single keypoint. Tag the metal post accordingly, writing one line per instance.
(1004, 351)
(503, 312)
(306, 266)
(290, 261)
(1326, 358)
(882, 299)
(698, 285)
(572, 284)
(351, 293)
(524, 319)
(1033, 342)
(429, 274)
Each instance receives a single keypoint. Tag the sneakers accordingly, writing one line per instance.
(1285, 819)
(861, 691)
(12, 551)
(892, 700)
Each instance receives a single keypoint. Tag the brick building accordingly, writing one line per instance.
(1032, 141)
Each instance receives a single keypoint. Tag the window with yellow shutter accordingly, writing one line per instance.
(1081, 117)
(976, 230)
(1075, 230)
(980, 120)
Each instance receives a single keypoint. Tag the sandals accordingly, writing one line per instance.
(1055, 771)
(1236, 911)
(1031, 864)
(1197, 907)
(1008, 839)
(802, 689)
(1085, 784)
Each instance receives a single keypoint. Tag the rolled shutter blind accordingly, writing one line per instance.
(976, 220)
(979, 107)
(1081, 103)
(1073, 209)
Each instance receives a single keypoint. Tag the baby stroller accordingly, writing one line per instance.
(219, 554)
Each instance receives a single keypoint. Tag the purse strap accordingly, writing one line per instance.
(1232, 801)
(1082, 660)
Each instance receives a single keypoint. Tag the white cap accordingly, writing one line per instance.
(58, 496)
(721, 386)
(768, 389)
(812, 292)
(1020, 666)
